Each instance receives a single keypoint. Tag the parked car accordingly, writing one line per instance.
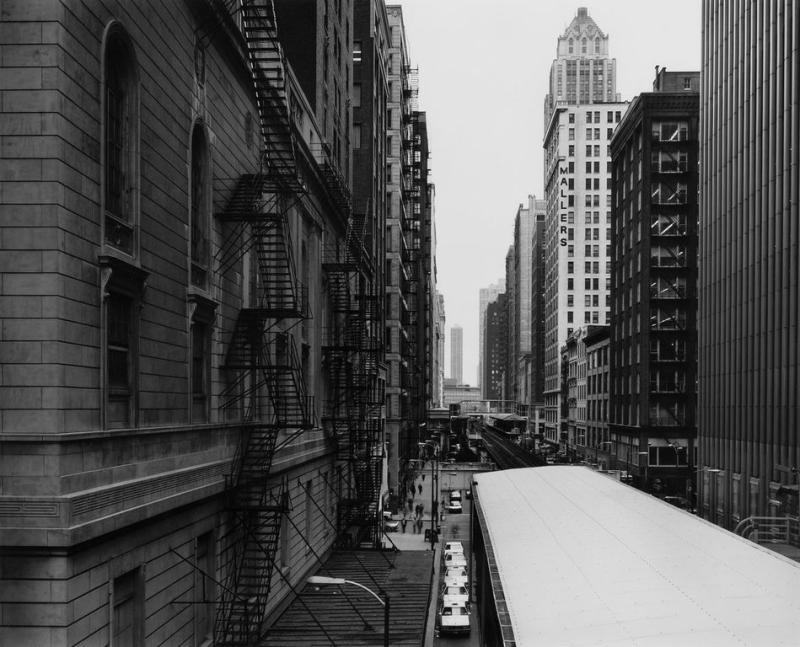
(455, 559)
(389, 524)
(455, 596)
(454, 507)
(454, 620)
(453, 547)
(455, 495)
(455, 576)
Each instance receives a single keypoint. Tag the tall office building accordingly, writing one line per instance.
(582, 71)
(581, 112)
(654, 285)
(495, 349)
(457, 354)
(749, 291)
(485, 297)
(528, 219)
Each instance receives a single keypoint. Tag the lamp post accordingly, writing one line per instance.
(321, 580)
(433, 456)
(597, 446)
(646, 463)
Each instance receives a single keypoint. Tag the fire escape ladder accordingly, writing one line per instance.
(280, 291)
(248, 555)
(284, 377)
(267, 62)
(353, 417)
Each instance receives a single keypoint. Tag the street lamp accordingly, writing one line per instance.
(598, 445)
(646, 463)
(321, 580)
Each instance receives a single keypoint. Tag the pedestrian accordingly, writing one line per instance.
(419, 487)
(410, 503)
(419, 526)
(403, 523)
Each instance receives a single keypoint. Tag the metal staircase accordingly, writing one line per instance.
(265, 387)
(252, 540)
(353, 413)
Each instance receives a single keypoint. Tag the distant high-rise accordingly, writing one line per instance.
(749, 290)
(580, 113)
(485, 297)
(457, 354)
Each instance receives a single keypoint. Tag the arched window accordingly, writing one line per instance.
(199, 207)
(583, 45)
(596, 45)
(120, 142)
(571, 46)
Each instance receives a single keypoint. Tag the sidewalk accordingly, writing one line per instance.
(415, 541)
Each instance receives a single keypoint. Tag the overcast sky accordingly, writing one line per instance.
(483, 75)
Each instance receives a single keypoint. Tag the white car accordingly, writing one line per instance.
(454, 620)
(453, 547)
(455, 559)
(455, 576)
(454, 507)
(455, 495)
(455, 596)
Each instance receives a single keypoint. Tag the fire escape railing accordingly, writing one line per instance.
(265, 386)
(353, 414)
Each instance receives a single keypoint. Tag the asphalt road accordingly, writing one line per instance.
(457, 527)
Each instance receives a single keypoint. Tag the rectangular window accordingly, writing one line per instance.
(200, 371)
(357, 137)
(127, 617)
(670, 131)
(119, 360)
(356, 95)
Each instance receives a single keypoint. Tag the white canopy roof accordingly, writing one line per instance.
(586, 560)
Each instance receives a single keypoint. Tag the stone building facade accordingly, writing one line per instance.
(147, 206)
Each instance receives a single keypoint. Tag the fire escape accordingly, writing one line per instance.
(265, 387)
(352, 357)
(413, 292)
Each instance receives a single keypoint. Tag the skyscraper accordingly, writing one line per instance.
(457, 353)
(485, 297)
(749, 291)
(581, 112)
(495, 349)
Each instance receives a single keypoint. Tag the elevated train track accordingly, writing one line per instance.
(505, 452)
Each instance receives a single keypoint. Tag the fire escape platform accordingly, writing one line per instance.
(408, 585)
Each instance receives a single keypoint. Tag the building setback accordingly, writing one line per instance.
(581, 112)
(749, 356)
(654, 279)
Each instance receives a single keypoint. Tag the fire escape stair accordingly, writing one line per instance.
(252, 540)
